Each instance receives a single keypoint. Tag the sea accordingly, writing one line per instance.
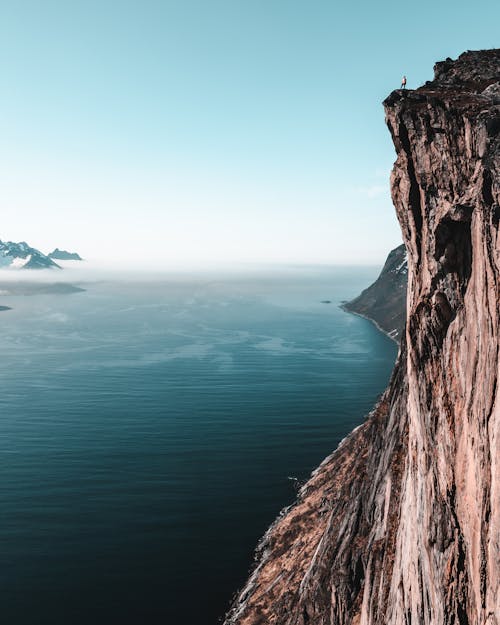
(152, 427)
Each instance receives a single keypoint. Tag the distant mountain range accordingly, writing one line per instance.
(23, 256)
(384, 302)
(58, 254)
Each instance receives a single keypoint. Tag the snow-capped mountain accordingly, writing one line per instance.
(22, 256)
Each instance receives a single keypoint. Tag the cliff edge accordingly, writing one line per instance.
(401, 524)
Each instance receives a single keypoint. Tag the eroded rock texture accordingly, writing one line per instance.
(401, 525)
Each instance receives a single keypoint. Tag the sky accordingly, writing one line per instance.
(221, 131)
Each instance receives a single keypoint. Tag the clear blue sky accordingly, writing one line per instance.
(209, 131)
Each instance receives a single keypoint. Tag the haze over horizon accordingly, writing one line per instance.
(192, 133)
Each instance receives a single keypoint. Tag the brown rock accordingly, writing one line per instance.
(401, 524)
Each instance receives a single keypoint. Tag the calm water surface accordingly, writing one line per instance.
(149, 431)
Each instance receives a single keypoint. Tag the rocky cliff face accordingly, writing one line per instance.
(384, 301)
(401, 525)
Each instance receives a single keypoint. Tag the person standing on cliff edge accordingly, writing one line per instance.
(403, 82)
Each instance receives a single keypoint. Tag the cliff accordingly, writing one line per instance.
(384, 301)
(400, 525)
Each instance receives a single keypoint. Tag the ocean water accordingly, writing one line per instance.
(149, 430)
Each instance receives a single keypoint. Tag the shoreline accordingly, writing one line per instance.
(353, 312)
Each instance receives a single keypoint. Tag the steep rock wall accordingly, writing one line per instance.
(401, 524)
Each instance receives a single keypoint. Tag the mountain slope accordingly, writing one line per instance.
(23, 256)
(401, 525)
(384, 301)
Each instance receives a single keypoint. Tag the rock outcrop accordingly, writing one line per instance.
(58, 254)
(401, 525)
(384, 301)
